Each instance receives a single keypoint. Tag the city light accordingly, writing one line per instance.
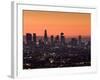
(55, 51)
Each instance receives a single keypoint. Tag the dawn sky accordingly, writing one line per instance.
(70, 23)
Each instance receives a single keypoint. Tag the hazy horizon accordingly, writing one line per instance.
(70, 23)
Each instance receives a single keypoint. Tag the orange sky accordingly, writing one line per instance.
(71, 23)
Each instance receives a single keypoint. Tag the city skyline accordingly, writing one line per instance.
(38, 36)
(54, 39)
(72, 24)
(55, 51)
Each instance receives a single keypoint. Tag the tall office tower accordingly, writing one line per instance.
(57, 38)
(40, 43)
(28, 38)
(79, 39)
(52, 40)
(73, 41)
(62, 38)
(34, 39)
(57, 42)
(45, 37)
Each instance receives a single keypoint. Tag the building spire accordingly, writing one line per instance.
(45, 36)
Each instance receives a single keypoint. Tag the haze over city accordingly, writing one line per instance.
(71, 23)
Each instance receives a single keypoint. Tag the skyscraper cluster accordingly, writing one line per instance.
(55, 51)
(31, 39)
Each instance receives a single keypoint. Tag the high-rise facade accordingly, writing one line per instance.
(62, 37)
(34, 39)
(28, 38)
(45, 37)
(52, 40)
